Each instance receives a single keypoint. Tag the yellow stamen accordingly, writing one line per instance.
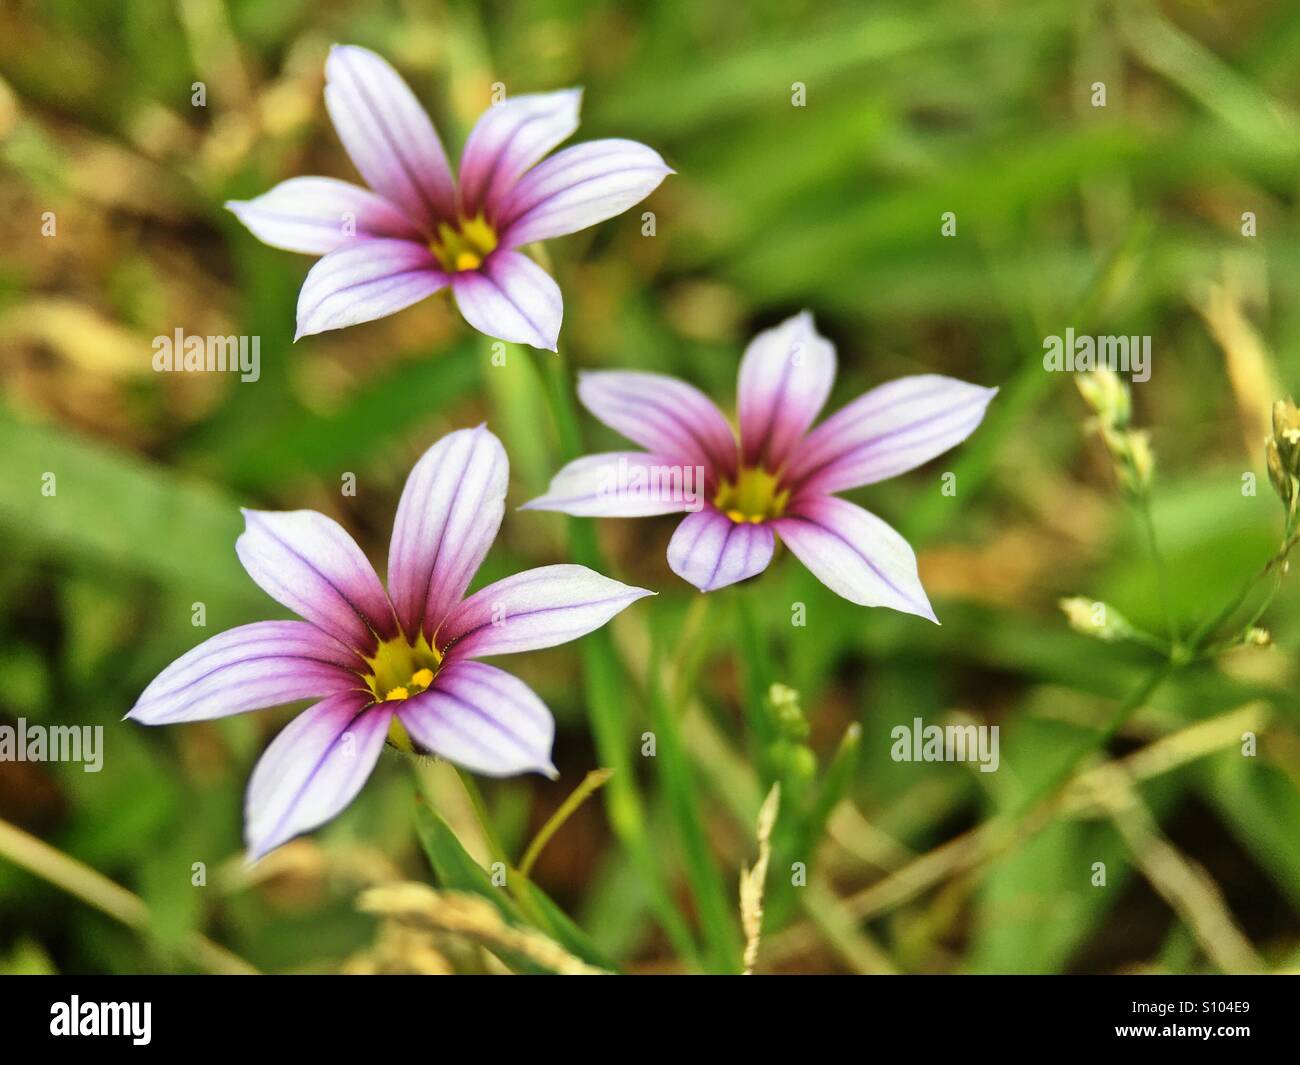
(398, 671)
(754, 497)
(398, 664)
(465, 245)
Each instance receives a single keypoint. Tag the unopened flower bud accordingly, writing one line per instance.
(1141, 460)
(1286, 431)
(1098, 620)
(1282, 481)
(784, 702)
(1105, 392)
(1130, 451)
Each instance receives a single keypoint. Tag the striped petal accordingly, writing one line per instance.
(624, 484)
(248, 668)
(310, 564)
(447, 518)
(364, 281)
(785, 377)
(508, 138)
(711, 551)
(512, 298)
(388, 135)
(484, 719)
(579, 187)
(313, 769)
(537, 608)
(664, 415)
(888, 431)
(854, 554)
(316, 215)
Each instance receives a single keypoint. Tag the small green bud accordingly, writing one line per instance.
(1283, 483)
(795, 766)
(790, 721)
(1258, 637)
(1141, 460)
(1096, 619)
(1108, 397)
(1130, 451)
(1286, 431)
(803, 763)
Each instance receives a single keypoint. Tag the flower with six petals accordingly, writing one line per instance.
(417, 230)
(781, 477)
(399, 665)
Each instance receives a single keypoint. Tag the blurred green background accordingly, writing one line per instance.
(1122, 219)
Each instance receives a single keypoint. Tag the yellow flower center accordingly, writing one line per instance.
(754, 496)
(464, 246)
(399, 670)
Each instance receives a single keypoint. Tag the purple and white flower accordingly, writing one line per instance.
(781, 476)
(417, 230)
(397, 666)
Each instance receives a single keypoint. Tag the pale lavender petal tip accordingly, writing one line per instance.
(711, 551)
(623, 484)
(510, 137)
(785, 377)
(666, 416)
(316, 215)
(388, 135)
(246, 668)
(512, 298)
(855, 554)
(313, 769)
(365, 281)
(484, 719)
(449, 514)
(894, 428)
(308, 563)
(579, 187)
(538, 608)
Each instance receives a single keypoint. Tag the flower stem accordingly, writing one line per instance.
(757, 682)
(1057, 779)
(712, 901)
(691, 648)
(590, 784)
(490, 836)
(1273, 565)
(606, 696)
(1162, 571)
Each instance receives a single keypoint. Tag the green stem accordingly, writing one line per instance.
(1162, 571)
(606, 702)
(1151, 643)
(476, 800)
(1206, 628)
(590, 783)
(1135, 701)
(757, 684)
(716, 913)
(691, 649)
